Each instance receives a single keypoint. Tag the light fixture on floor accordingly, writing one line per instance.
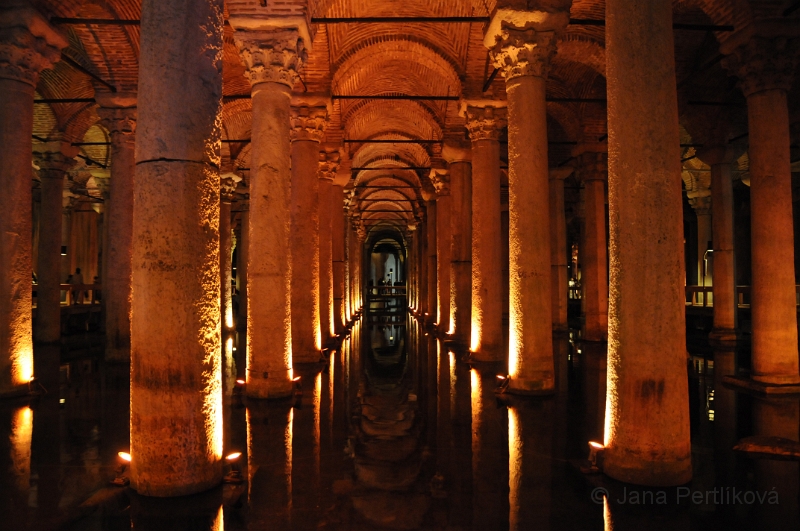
(234, 474)
(502, 383)
(120, 479)
(595, 451)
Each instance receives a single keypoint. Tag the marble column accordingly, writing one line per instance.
(558, 249)
(430, 267)
(273, 62)
(522, 44)
(328, 165)
(118, 115)
(411, 277)
(764, 60)
(647, 421)
(176, 369)
(485, 124)
(54, 159)
(459, 158)
(441, 181)
(700, 201)
(593, 171)
(308, 127)
(243, 249)
(338, 257)
(28, 45)
(719, 158)
(227, 188)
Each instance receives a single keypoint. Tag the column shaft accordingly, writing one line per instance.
(243, 249)
(486, 341)
(225, 263)
(558, 255)
(338, 255)
(176, 387)
(461, 258)
(774, 308)
(48, 292)
(647, 422)
(431, 269)
(595, 262)
(326, 314)
(269, 330)
(725, 303)
(443, 256)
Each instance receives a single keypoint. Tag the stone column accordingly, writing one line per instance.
(441, 181)
(118, 115)
(328, 165)
(698, 191)
(485, 124)
(338, 256)
(176, 372)
(647, 421)
(521, 44)
(68, 203)
(430, 258)
(243, 246)
(54, 159)
(725, 303)
(459, 158)
(594, 282)
(358, 278)
(227, 188)
(558, 249)
(422, 267)
(411, 276)
(308, 128)
(273, 61)
(28, 45)
(765, 60)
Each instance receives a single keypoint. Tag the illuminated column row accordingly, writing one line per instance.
(338, 256)
(441, 182)
(228, 183)
(28, 45)
(176, 387)
(328, 165)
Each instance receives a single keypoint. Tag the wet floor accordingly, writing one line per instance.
(394, 431)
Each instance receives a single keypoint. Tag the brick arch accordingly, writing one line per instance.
(404, 117)
(579, 48)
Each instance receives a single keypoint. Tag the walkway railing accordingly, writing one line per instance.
(386, 292)
(703, 296)
(76, 293)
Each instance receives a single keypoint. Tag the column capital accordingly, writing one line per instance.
(54, 159)
(456, 151)
(713, 155)
(227, 186)
(701, 202)
(328, 165)
(763, 55)
(308, 122)
(440, 177)
(275, 56)
(28, 44)
(560, 173)
(592, 165)
(117, 112)
(485, 120)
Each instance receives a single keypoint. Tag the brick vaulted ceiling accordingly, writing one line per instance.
(419, 59)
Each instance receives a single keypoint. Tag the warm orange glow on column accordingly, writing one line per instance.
(288, 437)
(20, 438)
(475, 339)
(219, 522)
(317, 416)
(514, 468)
(477, 408)
(22, 362)
(452, 358)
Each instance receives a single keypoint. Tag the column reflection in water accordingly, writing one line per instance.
(489, 453)
(199, 512)
(306, 451)
(15, 464)
(269, 463)
(530, 462)
(777, 417)
(594, 364)
(46, 441)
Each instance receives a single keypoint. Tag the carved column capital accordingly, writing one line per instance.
(272, 56)
(764, 63)
(28, 44)
(117, 114)
(227, 186)
(518, 52)
(485, 122)
(328, 165)
(441, 181)
(54, 159)
(308, 122)
(701, 203)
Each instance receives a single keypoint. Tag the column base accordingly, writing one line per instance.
(723, 337)
(632, 467)
(487, 355)
(15, 391)
(280, 386)
(312, 356)
(543, 386)
(118, 355)
(762, 388)
(169, 489)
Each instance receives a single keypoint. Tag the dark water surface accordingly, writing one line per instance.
(395, 431)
